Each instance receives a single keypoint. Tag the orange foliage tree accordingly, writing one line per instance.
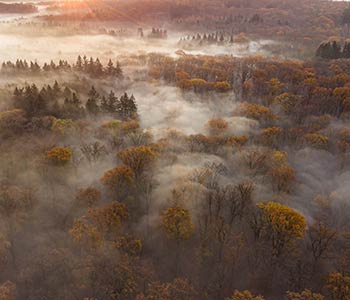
(118, 180)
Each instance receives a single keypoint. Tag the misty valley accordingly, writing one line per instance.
(174, 150)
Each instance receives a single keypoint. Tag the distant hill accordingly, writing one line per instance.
(16, 8)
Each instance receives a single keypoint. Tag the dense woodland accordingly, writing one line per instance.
(110, 190)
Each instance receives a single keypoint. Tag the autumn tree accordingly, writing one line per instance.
(258, 112)
(178, 226)
(16, 204)
(304, 295)
(317, 140)
(281, 225)
(12, 122)
(119, 181)
(100, 224)
(177, 223)
(338, 286)
(87, 197)
(321, 237)
(59, 156)
(178, 289)
(281, 174)
(93, 152)
(137, 158)
(272, 136)
(8, 291)
(217, 126)
(244, 295)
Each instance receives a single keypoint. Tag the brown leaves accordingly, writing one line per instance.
(99, 223)
(118, 179)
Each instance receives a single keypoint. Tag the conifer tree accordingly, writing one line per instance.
(92, 105)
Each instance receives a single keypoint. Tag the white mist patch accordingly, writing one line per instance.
(39, 45)
(164, 107)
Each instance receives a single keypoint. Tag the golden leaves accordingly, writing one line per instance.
(59, 156)
(137, 158)
(177, 223)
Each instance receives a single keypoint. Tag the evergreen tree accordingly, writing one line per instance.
(92, 102)
(97, 68)
(67, 93)
(126, 106)
(110, 68)
(345, 18)
(79, 64)
(75, 100)
(346, 49)
(56, 89)
(104, 104)
(112, 102)
(118, 70)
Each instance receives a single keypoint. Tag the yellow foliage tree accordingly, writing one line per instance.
(271, 136)
(317, 140)
(338, 286)
(59, 156)
(304, 295)
(258, 112)
(222, 87)
(244, 295)
(177, 223)
(282, 177)
(217, 126)
(137, 158)
(63, 126)
(281, 225)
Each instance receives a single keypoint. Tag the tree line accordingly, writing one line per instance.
(334, 48)
(92, 67)
(61, 101)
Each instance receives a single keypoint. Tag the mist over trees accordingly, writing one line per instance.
(182, 167)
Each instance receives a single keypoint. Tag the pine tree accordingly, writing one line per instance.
(67, 93)
(98, 68)
(79, 64)
(346, 49)
(75, 100)
(85, 64)
(92, 102)
(126, 106)
(118, 70)
(110, 68)
(56, 89)
(104, 104)
(112, 102)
